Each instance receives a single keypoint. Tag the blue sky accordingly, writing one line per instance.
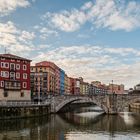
(95, 39)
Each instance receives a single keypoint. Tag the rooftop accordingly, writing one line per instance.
(11, 56)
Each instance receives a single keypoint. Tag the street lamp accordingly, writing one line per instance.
(39, 97)
(112, 87)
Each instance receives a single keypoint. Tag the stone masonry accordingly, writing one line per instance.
(110, 103)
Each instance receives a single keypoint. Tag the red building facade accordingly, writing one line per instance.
(75, 86)
(14, 77)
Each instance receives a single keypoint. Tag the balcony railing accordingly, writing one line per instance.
(12, 85)
(12, 88)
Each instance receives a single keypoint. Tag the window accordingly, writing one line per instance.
(12, 74)
(6, 65)
(2, 73)
(5, 94)
(5, 74)
(22, 94)
(17, 66)
(24, 67)
(2, 84)
(2, 64)
(24, 75)
(119, 87)
(12, 66)
(17, 75)
(24, 85)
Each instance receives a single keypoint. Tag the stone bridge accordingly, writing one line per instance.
(110, 103)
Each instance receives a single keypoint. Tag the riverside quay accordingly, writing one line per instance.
(110, 103)
(27, 91)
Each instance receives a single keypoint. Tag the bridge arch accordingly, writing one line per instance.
(58, 103)
(109, 103)
(130, 101)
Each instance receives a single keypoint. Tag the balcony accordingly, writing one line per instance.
(12, 85)
(12, 88)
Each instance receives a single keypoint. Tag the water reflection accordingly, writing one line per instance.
(84, 124)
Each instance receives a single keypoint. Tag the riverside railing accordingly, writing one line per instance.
(21, 104)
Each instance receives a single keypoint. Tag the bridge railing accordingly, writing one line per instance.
(50, 98)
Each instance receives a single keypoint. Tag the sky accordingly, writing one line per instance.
(93, 39)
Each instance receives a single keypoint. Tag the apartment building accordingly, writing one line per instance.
(75, 86)
(43, 79)
(116, 89)
(14, 78)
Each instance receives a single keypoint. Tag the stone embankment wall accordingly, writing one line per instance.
(24, 112)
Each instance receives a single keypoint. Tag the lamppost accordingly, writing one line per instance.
(114, 97)
(39, 96)
(112, 87)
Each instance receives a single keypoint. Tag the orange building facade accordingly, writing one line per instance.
(45, 78)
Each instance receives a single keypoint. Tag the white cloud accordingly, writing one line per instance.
(87, 5)
(106, 13)
(67, 21)
(96, 63)
(46, 32)
(102, 14)
(15, 40)
(26, 36)
(7, 33)
(7, 6)
(43, 47)
(8, 28)
(121, 51)
(36, 27)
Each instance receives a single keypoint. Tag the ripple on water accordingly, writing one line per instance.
(100, 136)
(89, 114)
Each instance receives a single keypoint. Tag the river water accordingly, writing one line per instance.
(87, 123)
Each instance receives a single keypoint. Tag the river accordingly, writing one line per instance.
(86, 123)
